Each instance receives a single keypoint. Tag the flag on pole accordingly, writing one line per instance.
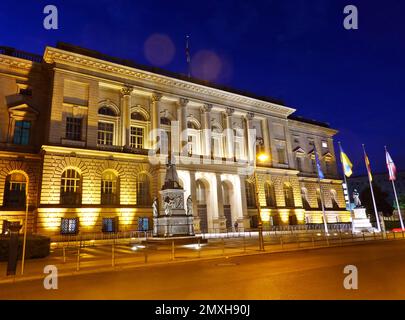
(187, 49)
(370, 177)
(318, 166)
(392, 170)
(346, 163)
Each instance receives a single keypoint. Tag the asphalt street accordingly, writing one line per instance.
(313, 274)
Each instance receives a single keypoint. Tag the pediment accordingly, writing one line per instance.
(22, 109)
(299, 150)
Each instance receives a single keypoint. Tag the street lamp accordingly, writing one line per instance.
(261, 157)
(25, 228)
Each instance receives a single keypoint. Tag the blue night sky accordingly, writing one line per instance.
(295, 50)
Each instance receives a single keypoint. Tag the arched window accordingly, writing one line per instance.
(71, 188)
(250, 194)
(14, 191)
(192, 125)
(138, 116)
(165, 121)
(109, 188)
(304, 196)
(270, 194)
(107, 124)
(106, 111)
(333, 196)
(288, 195)
(143, 196)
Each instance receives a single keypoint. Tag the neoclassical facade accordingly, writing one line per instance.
(86, 138)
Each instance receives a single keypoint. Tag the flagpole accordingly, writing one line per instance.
(396, 199)
(396, 196)
(325, 223)
(372, 191)
(345, 180)
(188, 56)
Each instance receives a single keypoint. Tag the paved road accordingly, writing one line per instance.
(315, 274)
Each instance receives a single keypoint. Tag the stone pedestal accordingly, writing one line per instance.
(171, 219)
(360, 221)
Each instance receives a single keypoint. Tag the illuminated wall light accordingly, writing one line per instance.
(265, 215)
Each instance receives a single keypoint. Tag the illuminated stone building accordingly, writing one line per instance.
(76, 127)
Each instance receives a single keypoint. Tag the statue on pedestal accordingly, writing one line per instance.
(155, 207)
(356, 199)
(189, 206)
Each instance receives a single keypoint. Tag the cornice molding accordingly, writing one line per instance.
(54, 55)
(16, 63)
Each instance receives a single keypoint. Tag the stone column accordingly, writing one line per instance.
(206, 119)
(251, 152)
(266, 138)
(155, 116)
(229, 133)
(193, 188)
(245, 220)
(126, 115)
(182, 118)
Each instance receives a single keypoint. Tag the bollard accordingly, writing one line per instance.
(78, 259)
(113, 254)
(199, 248)
(146, 253)
(244, 244)
(374, 234)
(223, 246)
(172, 250)
(281, 242)
(364, 237)
(64, 254)
(394, 235)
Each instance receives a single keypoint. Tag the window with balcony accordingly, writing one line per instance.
(73, 128)
(137, 136)
(105, 133)
(71, 188)
(22, 132)
(250, 194)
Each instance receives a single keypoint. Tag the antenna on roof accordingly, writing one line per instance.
(188, 57)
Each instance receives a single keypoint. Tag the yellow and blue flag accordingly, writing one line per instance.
(346, 163)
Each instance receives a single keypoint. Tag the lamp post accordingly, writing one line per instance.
(25, 229)
(261, 157)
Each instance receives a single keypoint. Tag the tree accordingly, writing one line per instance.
(401, 200)
(380, 199)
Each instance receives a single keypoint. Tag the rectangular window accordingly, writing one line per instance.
(299, 163)
(69, 226)
(143, 224)
(73, 128)
(22, 132)
(105, 133)
(110, 224)
(324, 144)
(281, 155)
(136, 137)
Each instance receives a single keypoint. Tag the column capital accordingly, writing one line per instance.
(127, 90)
(250, 116)
(229, 111)
(156, 97)
(183, 102)
(207, 107)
